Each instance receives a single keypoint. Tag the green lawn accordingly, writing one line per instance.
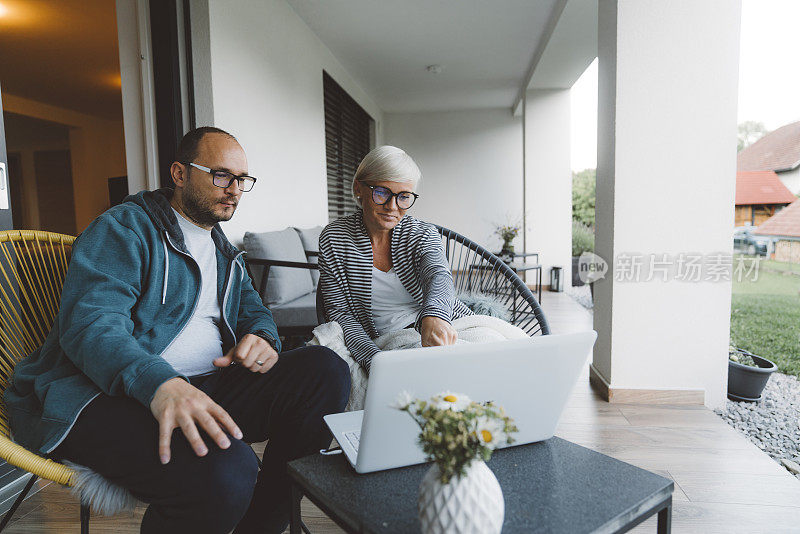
(765, 315)
(779, 265)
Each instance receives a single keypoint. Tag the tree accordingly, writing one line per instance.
(749, 133)
(583, 195)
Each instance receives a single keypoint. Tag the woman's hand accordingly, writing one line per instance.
(436, 332)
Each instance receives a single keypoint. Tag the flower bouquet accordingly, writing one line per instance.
(507, 233)
(459, 493)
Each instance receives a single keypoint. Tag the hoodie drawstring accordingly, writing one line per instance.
(166, 270)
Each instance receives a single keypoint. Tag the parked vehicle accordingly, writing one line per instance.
(745, 242)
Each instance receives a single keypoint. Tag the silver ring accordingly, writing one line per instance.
(259, 362)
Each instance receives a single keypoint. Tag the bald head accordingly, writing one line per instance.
(196, 196)
(190, 144)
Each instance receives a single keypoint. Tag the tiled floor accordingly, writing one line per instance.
(723, 483)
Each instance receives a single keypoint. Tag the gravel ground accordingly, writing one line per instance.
(772, 423)
(581, 294)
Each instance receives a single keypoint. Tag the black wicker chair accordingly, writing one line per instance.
(476, 270)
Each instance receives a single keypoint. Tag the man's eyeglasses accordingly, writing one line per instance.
(383, 195)
(224, 179)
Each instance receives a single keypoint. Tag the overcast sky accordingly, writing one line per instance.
(769, 76)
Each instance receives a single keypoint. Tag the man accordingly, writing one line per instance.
(163, 363)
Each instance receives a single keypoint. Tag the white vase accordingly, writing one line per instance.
(470, 504)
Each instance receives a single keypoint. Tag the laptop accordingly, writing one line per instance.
(530, 378)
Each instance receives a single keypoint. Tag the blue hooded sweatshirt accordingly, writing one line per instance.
(130, 289)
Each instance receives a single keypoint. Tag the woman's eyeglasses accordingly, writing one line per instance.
(383, 195)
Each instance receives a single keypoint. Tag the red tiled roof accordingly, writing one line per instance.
(762, 187)
(776, 151)
(784, 223)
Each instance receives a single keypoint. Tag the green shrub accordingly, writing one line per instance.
(583, 196)
(582, 238)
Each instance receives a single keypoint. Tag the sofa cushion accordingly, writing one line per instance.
(284, 283)
(310, 239)
(298, 312)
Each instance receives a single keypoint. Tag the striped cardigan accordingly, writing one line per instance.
(345, 280)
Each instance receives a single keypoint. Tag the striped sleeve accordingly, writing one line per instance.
(435, 277)
(334, 298)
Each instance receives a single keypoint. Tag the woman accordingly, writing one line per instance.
(382, 270)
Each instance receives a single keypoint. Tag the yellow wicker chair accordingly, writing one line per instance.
(32, 270)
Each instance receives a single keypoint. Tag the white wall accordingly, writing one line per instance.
(791, 179)
(266, 71)
(471, 164)
(549, 179)
(666, 162)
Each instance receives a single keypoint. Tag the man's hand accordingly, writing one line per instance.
(437, 332)
(179, 404)
(252, 352)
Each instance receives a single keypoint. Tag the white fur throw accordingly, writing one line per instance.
(471, 329)
(103, 496)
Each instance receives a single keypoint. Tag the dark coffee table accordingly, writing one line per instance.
(550, 486)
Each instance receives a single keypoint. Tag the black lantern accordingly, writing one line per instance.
(556, 280)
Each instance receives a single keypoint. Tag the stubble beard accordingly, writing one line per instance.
(201, 210)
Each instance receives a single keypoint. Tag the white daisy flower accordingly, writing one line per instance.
(447, 400)
(403, 400)
(490, 431)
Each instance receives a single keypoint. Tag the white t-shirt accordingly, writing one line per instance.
(200, 341)
(393, 308)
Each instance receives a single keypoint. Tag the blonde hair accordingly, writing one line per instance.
(386, 164)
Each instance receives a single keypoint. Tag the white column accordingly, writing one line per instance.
(668, 75)
(548, 179)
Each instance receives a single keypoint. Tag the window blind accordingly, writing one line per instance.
(347, 141)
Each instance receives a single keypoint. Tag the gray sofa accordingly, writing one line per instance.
(283, 266)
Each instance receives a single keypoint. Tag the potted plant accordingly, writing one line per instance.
(748, 375)
(582, 241)
(459, 493)
(507, 233)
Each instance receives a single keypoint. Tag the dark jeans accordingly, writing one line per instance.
(118, 438)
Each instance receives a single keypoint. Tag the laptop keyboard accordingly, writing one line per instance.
(353, 438)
